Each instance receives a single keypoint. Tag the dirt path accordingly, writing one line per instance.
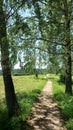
(45, 114)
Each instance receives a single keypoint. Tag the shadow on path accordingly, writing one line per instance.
(45, 114)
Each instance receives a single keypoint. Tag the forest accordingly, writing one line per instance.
(37, 35)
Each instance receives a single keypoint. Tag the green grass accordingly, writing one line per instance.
(65, 101)
(27, 89)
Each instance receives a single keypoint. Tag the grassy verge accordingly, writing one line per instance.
(27, 89)
(65, 101)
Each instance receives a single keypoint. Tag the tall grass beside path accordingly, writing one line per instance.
(65, 101)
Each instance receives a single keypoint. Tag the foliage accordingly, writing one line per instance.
(62, 78)
(69, 124)
(36, 28)
(27, 89)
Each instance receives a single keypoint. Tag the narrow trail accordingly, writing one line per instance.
(45, 114)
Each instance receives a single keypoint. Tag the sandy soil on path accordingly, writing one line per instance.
(45, 114)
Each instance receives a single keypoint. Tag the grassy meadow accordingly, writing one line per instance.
(27, 89)
(65, 101)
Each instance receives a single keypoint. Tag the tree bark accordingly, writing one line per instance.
(12, 105)
(68, 78)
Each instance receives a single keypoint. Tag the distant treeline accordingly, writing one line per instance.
(17, 72)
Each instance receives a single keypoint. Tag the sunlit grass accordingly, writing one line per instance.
(27, 83)
(57, 85)
(2, 93)
(23, 83)
(27, 89)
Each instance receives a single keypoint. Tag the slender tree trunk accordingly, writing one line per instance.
(12, 105)
(68, 79)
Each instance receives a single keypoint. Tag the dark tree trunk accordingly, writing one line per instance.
(68, 78)
(12, 105)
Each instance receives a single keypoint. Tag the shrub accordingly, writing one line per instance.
(62, 78)
(67, 108)
(15, 123)
(69, 124)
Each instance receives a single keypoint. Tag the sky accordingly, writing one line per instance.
(17, 66)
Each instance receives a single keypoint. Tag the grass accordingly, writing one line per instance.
(65, 101)
(27, 89)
